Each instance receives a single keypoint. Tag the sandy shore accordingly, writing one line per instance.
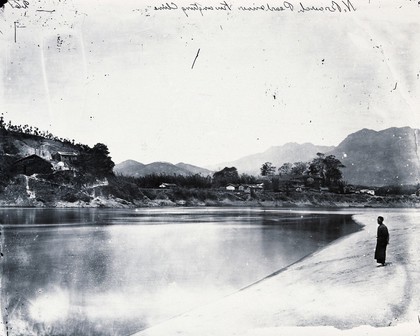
(338, 290)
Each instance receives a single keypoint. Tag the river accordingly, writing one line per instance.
(115, 272)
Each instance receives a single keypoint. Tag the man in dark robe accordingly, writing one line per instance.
(382, 240)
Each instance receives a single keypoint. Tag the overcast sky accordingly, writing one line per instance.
(158, 85)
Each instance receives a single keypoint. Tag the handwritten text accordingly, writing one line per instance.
(343, 6)
(18, 4)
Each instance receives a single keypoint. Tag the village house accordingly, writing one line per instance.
(231, 187)
(32, 164)
(367, 191)
(168, 185)
(246, 188)
(66, 157)
(61, 166)
(349, 189)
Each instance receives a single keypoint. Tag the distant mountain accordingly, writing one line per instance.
(377, 158)
(129, 168)
(194, 169)
(290, 152)
(164, 168)
(372, 158)
(137, 169)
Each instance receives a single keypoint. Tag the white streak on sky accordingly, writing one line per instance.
(45, 80)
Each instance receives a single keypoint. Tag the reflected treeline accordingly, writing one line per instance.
(55, 217)
(332, 225)
(304, 232)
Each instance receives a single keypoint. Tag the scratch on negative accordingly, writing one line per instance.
(395, 87)
(196, 56)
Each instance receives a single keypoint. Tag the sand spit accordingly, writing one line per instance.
(339, 290)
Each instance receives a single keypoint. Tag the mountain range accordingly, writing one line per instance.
(377, 158)
(277, 155)
(371, 158)
(137, 169)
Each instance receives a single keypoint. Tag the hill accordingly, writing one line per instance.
(137, 169)
(39, 169)
(15, 145)
(277, 155)
(194, 169)
(378, 158)
(128, 168)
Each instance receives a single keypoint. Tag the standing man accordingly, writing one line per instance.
(382, 240)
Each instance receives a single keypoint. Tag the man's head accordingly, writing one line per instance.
(380, 219)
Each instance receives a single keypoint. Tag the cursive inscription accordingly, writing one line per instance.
(223, 6)
(268, 7)
(18, 4)
(194, 7)
(166, 6)
(342, 6)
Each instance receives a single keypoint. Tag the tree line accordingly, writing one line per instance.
(220, 179)
(322, 171)
(34, 131)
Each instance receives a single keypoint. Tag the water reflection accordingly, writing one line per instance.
(112, 272)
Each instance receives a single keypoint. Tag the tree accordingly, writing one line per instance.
(267, 169)
(333, 173)
(101, 160)
(316, 167)
(299, 168)
(327, 169)
(285, 169)
(96, 161)
(247, 179)
(225, 176)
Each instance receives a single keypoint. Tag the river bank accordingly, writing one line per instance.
(61, 192)
(336, 291)
(106, 197)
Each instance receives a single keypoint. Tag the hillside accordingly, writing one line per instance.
(290, 152)
(15, 145)
(20, 144)
(39, 169)
(194, 169)
(378, 158)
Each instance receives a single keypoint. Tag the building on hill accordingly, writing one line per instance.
(60, 166)
(44, 151)
(32, 164)
(66, 157)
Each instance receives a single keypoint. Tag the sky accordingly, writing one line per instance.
(210, 87)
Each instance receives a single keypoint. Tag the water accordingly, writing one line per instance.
(115, 272)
